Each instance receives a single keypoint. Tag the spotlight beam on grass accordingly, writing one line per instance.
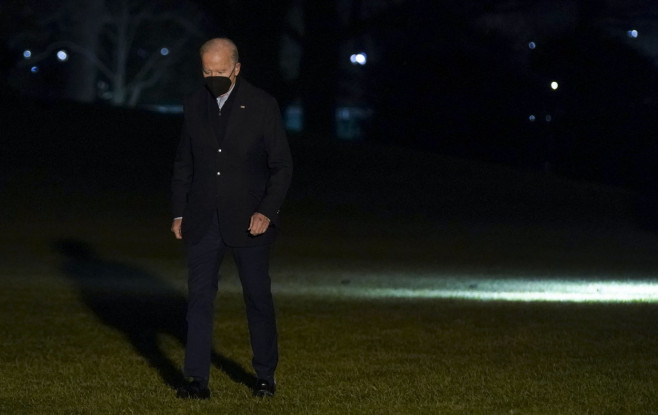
(490, 289)
(557, 291)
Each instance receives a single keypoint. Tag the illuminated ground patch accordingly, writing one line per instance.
(480, 288)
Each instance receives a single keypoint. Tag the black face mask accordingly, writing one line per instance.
(218, 85)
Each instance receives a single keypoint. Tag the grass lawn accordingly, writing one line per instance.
(93, 294)
(69, 348)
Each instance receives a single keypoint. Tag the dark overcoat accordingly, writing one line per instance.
(237, 170)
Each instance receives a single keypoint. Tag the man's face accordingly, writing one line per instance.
(219, 63)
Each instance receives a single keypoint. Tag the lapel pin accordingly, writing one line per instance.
(242, 106)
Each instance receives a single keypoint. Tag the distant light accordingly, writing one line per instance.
(548, 118)
(554, 85)
(164, 51)
(27, 53)
(359, 58)
(632, 33)
(343, 113)
(532, 45)
(34, 69)
(532, 118)
(62, 56)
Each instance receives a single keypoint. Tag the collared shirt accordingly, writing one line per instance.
(221, 100)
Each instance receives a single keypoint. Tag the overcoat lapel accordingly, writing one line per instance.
(238, 115)
(212, 112)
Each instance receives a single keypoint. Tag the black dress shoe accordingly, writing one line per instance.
(264, 388)
(193, 390)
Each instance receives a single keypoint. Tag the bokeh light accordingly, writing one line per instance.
(359, 58)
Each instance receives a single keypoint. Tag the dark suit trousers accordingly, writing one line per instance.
(204, 260)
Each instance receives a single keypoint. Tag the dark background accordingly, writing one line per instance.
(457, 78)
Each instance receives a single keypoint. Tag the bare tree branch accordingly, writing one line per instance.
(115, 27)
(184, 23)
(153, 60)
(136, 90)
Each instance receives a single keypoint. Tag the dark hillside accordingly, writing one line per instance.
(68, 167)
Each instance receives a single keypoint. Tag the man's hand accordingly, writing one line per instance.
(258, 224)
(175, 228)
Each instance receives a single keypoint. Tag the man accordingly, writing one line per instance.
(231, 174)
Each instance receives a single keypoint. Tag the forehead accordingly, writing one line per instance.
(217, 59)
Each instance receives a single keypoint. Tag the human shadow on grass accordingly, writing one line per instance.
(138, 304)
